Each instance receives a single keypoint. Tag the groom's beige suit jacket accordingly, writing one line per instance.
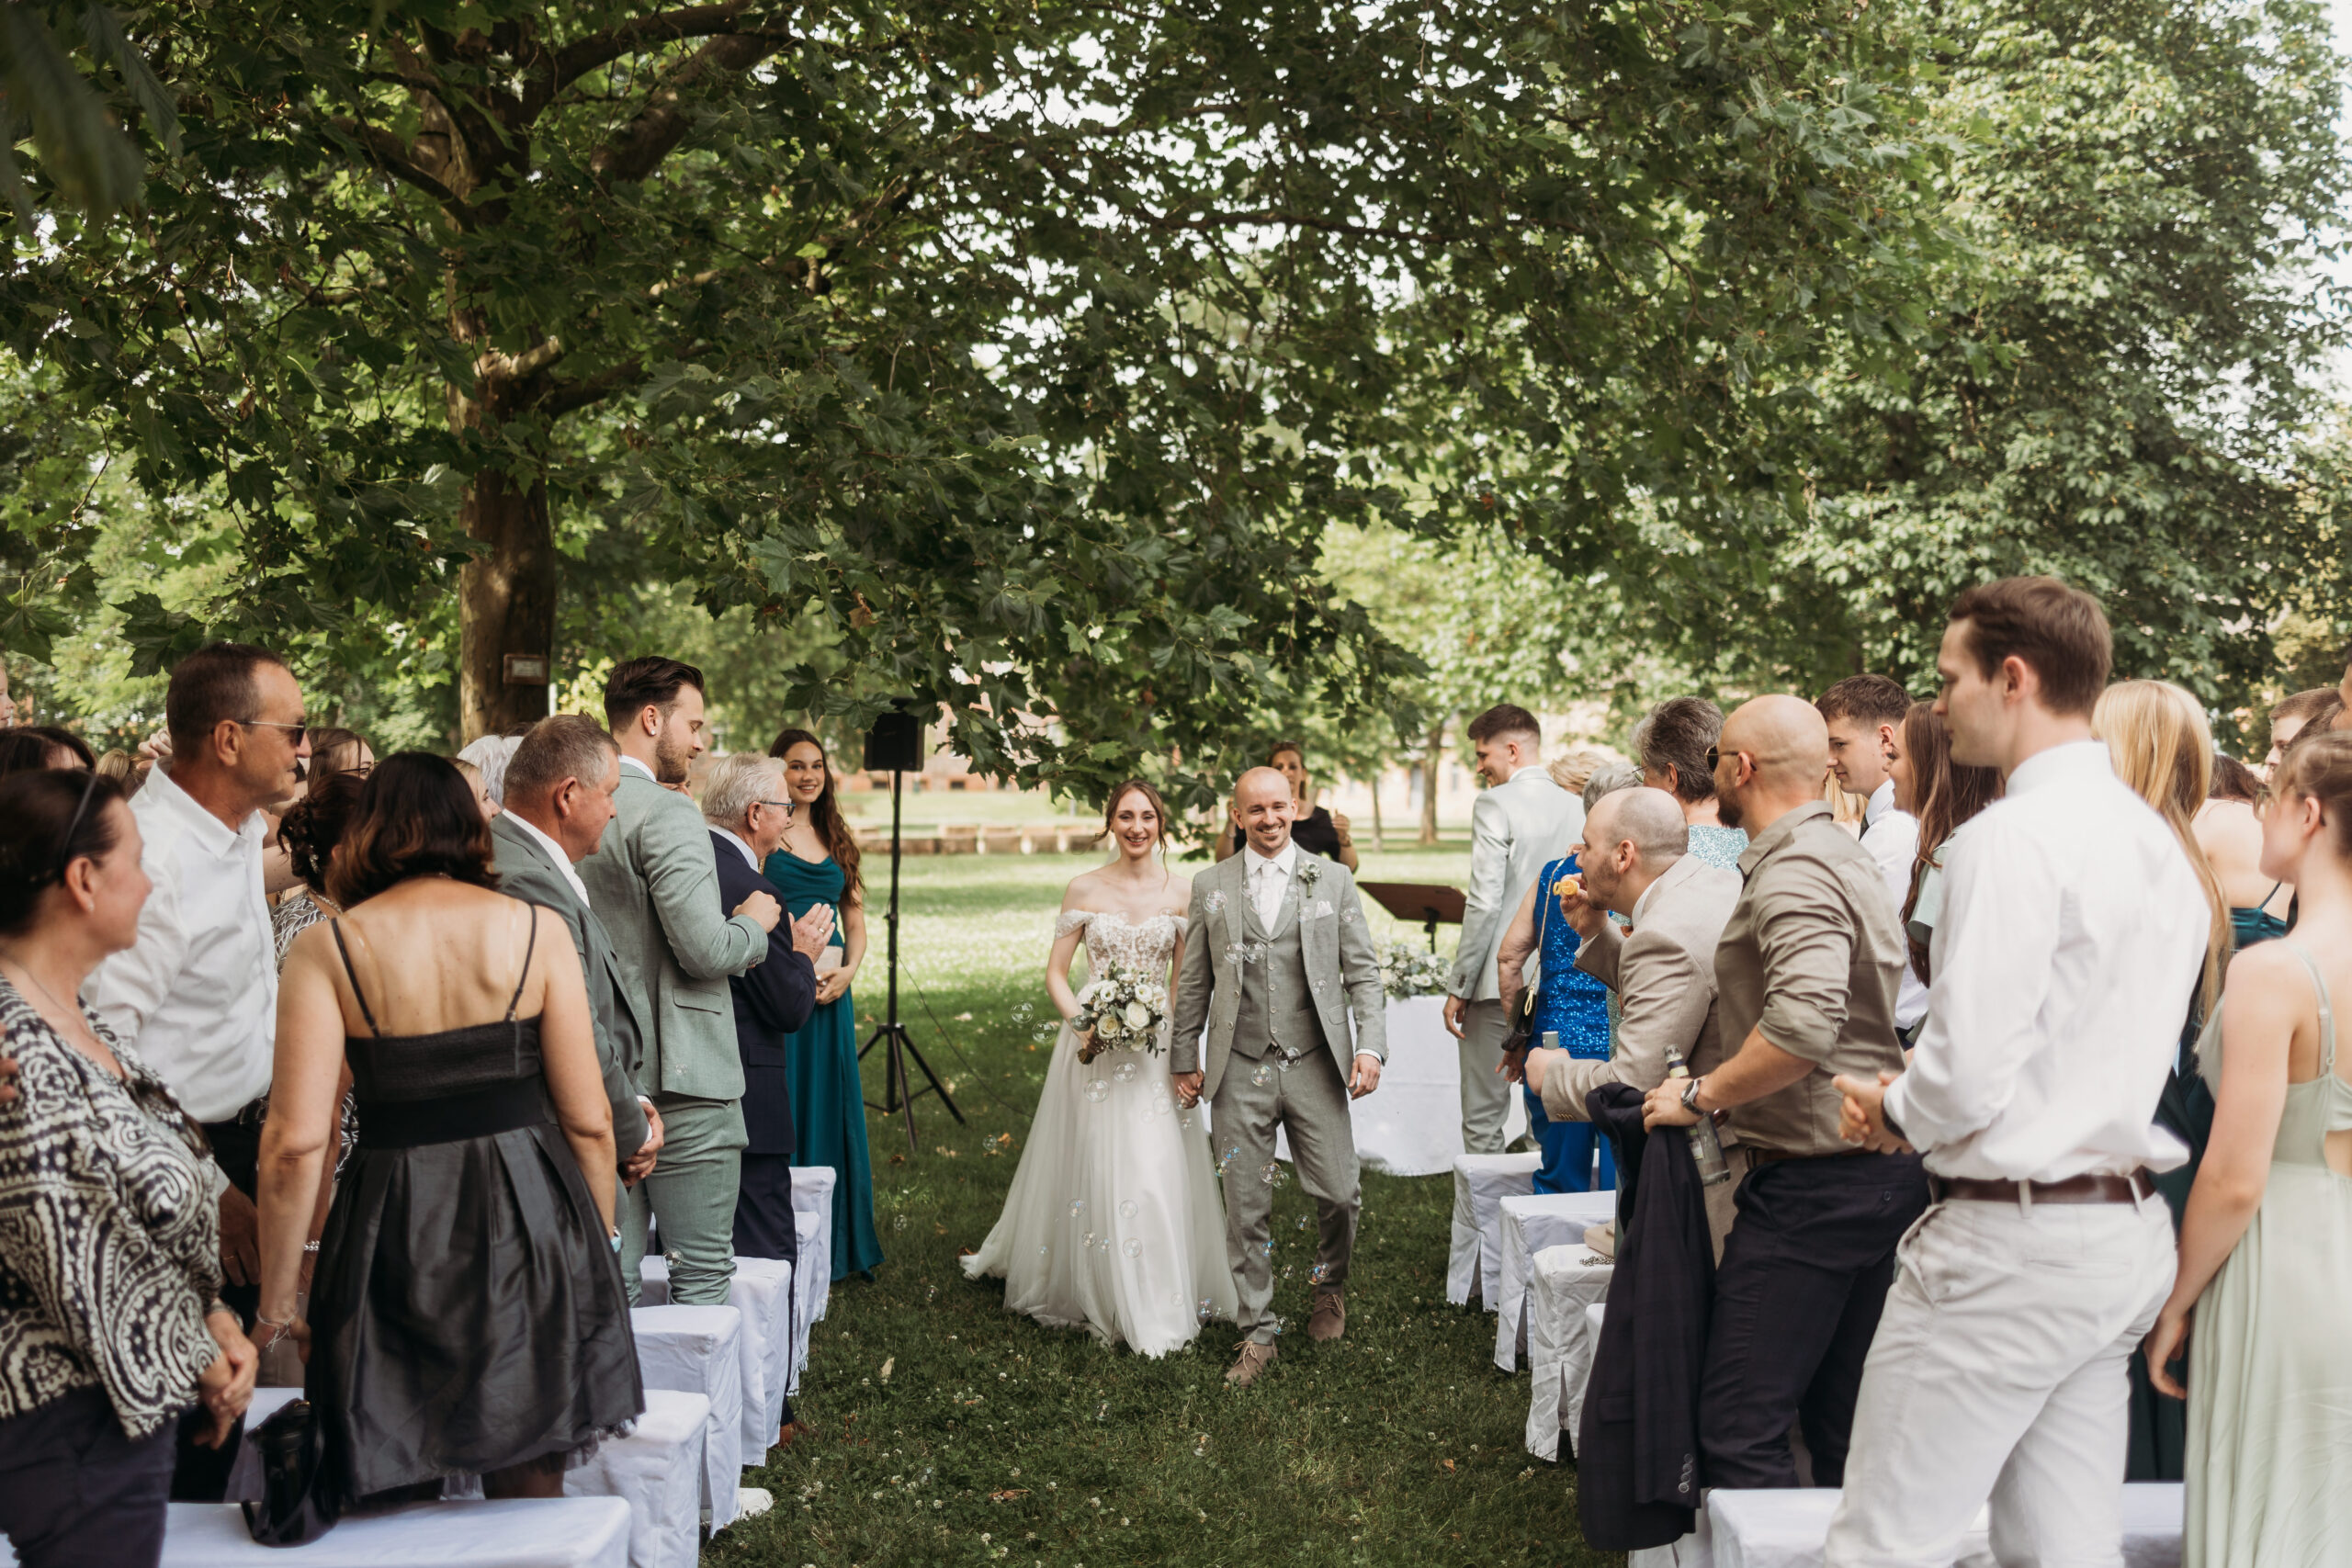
(1340, 969)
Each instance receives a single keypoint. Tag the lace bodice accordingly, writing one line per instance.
(1111, 938)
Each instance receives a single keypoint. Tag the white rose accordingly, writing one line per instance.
(1139, 1015)
(1107, 1027)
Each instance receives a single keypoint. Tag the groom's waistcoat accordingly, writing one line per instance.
(1276, 1006)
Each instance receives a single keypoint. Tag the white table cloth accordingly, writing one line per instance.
(657, 1470)
(1411, 1125)
(1788, 1528)
(699, 1349)
(1473, 1259)
(1561, 1334)
(541, 1532)
(762, 1291)
(1530, 1225)
(1696, 1549)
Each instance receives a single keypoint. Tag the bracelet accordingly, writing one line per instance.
(282, 1328)
(310, 1247)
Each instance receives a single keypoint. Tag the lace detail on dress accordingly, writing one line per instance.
(1111, 938)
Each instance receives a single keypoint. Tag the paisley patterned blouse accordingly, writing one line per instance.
(110, 1230)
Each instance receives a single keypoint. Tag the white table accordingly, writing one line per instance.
(1561, 1334)
(762, 1291)
(699, 1349)
(1474, 1259)
(1411, 1125)
(1528, 1225)
(544, 1532)
(1788, 1528)
(657, 1470)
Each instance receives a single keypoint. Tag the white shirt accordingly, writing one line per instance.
(2073, 931)
(555, 853)
(749, 858)
(1269, 880)
(196, 994)
(629, 761)
(1893, 838)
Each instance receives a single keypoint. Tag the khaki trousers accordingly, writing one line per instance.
(1309, 1102)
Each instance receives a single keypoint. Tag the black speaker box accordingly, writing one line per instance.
(894, 744)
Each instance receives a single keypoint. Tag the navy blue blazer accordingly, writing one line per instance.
(772, 998)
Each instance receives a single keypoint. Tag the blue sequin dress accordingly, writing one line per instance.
(1574, 1006)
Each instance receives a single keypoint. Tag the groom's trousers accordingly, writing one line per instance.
(1310, 1101)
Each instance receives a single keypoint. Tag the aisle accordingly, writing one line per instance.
(951, 1432)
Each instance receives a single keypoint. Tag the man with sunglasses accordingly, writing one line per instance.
(196, 995)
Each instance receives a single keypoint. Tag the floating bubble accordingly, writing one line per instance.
(1320, 1273)
(1227, 1157)
(1176, 1298)
(1124, 1072)
(1020, 1013)
(1097, 1090)
(1267, 1247)
(1278, 1324)
(1206, 1310)
(899, 1223)
(1302, 1221)
(1184, 1120)
(1089, 1242)
(1133, 1248)
(1129, 1208)
(1044, 1032)
(1076, 1207)
(1264, 1076)
(1044, 1249)
(1273, 1175)
(1288, 1270)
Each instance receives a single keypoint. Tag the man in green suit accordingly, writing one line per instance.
(559, 787)
(654, 885)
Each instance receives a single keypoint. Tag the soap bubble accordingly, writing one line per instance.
(1020, 1014)
(1273, 1175)
(1264, 1076)
(1227, 1157)
(1097, 1090)
(1267, 1247)
(1206, 1310)
(1076, 1207)
(1089, 1242)
(1320, 1273)
(1129, 1208)
(1133, 1248)
(1124, 1072)
(1302, 1221)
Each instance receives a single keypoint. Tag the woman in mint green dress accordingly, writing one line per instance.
(2266, 1247)
(817, 864)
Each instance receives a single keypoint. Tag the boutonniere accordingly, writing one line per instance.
(1308, 875)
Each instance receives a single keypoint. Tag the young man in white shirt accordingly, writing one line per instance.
(2073, 932)
(1865, 714)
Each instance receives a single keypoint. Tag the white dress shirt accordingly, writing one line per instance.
(2072, 933)
(1893, 838)
(555, 853)
(629, 761)
(737, 839)
(1269, 880)
(196, 994)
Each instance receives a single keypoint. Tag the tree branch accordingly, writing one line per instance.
(562, 397)
(661, 124)
(390, 154)
(577, 59)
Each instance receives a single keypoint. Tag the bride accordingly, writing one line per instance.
(1113, 1220)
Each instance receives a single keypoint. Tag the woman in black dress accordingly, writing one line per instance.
(467, 1311)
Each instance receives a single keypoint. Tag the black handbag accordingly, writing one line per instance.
(299, 1502)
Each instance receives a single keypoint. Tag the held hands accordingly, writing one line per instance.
(763, 908)
(2166, 1343)
(1663, 1107)
(226, 1386)
(814, 932)
(1365, 1079)
(1188, 1087)
(1861, 1120)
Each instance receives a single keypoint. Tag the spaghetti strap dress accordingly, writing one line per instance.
(467, 1312)
(2269, 1377)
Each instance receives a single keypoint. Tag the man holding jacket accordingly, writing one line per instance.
(654, 883)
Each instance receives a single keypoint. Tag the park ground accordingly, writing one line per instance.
(948, 1431)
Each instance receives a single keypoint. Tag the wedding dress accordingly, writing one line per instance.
(1114, 1222)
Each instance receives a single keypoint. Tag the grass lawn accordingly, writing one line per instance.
(950, 1431)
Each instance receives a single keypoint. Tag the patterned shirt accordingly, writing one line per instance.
(110, 1230)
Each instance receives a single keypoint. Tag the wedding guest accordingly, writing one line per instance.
(125, 770)
(2287, 719)
(490, 753)
(1806, 973)
(1945, 796)
(1864, 713)
(2228, 829)
(310, 832)
(336, 752)
(110, 1314)
(1672, 742)
(559, 784)
(466, 1313)
(474, 781)
(1521, 822)
(2233, 780)
(25, 750)
(1608, 778)
(2072, 936)
(2266, 1248)
(1637, 865)
(1315, 830)
(747, 808)
(196, 996)
(652, 883)
(818, 864)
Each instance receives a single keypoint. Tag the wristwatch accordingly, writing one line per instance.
(1690, 1098)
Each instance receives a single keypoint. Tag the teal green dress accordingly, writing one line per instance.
(820, 1062)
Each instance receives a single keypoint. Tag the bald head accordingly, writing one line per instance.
(1775, 754)
(1263, 809)
(1650, 819)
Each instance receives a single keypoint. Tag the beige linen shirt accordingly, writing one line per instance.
(1811, 956)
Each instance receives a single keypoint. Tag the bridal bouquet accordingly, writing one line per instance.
(1120, 1008)
(1409, 971)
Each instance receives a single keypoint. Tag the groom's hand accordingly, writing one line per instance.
(1188, 1087)
(1367, 1077)
(1453, 1010)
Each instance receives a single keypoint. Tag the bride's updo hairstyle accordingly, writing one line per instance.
(1117, 797)
(2318, 766)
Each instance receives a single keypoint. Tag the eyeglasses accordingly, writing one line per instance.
(65, 849)
(295, 731)
(785, 803)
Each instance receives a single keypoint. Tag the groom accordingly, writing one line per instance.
(1277, 934)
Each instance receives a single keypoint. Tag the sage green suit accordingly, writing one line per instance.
(655, 888)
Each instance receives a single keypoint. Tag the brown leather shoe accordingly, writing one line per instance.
(1330, 1318)
(1253, 1360)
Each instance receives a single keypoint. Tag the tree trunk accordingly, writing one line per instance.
(1379, 834)
(1431, 758)
(506, 603)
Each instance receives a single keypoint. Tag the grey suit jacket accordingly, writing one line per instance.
(1664, 974)
(655, 888)
(528, 871)
(1343, 969)
(1516, 828)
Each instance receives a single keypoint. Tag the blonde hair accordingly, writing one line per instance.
(2318, 767)
(1573, 770)
(2157, 736)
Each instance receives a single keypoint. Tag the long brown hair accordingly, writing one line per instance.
(416, 817)
(2162, 750)
(825, 813)
(1947, 794)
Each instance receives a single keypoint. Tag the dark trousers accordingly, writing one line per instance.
(236, 1149)
(1804, 1276)
(75, 1493)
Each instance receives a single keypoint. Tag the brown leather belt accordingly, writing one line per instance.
(2129, 1189)
(1756, 1156)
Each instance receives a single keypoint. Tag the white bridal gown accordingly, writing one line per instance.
(1114, 1222)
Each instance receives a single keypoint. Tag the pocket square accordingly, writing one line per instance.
(1322, 909)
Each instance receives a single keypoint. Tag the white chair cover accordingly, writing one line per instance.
(699, 1349)
(1530, 1225)
(816, 1287)
(657, 1470)
(550, 1532)
(1788, 1528)
(1412, 1125)
(1560, 1338)
(1475, 1257)
(762, 1291)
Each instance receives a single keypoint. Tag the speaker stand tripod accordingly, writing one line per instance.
(899, 1093)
